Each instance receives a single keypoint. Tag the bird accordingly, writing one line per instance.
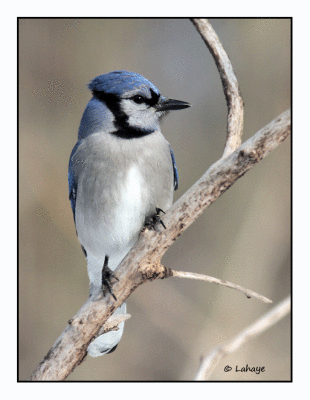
(122, 175)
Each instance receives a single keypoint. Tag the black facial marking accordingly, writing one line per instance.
(124, 130)
(154, 99)
(139, 99)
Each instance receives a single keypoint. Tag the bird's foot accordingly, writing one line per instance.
(152, 221)
(107, 275)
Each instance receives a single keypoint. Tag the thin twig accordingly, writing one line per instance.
(191, 275)
(230, 84)
(113, 322)
(266, 321)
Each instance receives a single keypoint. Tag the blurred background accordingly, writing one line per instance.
(244, 237)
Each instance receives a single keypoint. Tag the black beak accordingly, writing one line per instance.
(165, 104)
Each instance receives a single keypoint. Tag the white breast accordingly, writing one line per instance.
(120, 184)
(129, 214)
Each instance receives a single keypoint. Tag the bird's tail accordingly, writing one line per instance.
(107, 342)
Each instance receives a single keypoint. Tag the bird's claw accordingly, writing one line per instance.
(152, 221)
(107, 275)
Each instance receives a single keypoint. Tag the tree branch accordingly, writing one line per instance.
(191, 275)
(229, 82)
(142, 263)
(265, 322)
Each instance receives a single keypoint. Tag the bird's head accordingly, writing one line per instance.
(135, 102)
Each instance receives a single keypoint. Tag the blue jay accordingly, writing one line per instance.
(122, 173)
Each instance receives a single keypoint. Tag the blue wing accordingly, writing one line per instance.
(175, 171)
(72, 182)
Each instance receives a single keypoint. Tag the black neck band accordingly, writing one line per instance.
(124, 130)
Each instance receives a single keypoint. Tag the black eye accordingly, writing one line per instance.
(138, 99)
